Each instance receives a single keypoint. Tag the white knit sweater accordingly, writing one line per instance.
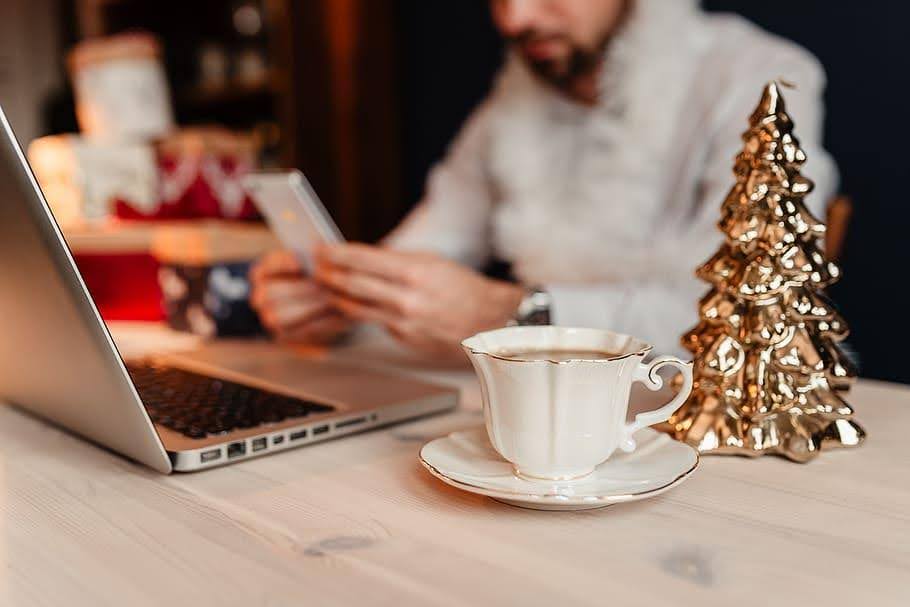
(612, 207)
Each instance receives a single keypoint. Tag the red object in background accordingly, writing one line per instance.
(200, 175)
(123, 285)
(196, 185)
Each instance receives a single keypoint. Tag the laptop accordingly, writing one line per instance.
(221, 404)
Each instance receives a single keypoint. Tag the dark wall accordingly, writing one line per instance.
(450, 53)
(865, 51)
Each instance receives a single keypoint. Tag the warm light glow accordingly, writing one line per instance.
(248, 20)
(53, 163)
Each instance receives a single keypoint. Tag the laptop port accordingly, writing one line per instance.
(260, 443)
(210, 455)
(298, 435)
(320, 429)
(236, 449)
(351, 422)
(277, 440)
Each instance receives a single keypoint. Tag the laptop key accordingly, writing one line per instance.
(198, 406)
(196, 432)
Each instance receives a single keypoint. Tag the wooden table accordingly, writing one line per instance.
(359, 522)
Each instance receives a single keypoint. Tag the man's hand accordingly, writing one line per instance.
(424, 300)
(292, 306)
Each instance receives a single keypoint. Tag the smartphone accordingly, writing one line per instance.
(293, 211)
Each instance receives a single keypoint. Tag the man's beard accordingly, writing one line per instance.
(561, 73)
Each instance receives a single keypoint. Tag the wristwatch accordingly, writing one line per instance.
(534, 308)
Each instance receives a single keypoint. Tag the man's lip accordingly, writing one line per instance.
(540, 49)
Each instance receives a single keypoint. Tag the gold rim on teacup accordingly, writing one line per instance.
(642, 350)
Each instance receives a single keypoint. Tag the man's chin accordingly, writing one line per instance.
(551, 70)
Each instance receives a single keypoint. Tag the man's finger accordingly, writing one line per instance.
(318, 330)
(366, 287)
(364, 311)
(392, 265)
(276, 291)
(278, 318)
(400, 328)
(276, 263)
(407, 333)
(397, 324)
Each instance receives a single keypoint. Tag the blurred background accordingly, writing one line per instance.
(363, 95)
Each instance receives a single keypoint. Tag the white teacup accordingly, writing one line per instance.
(560, 419)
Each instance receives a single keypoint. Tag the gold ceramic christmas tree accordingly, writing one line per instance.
(769, 375)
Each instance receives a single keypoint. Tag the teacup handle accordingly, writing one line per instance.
(646, 373)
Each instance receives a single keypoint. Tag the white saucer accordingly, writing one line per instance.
(466, 460)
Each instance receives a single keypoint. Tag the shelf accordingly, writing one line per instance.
(187, 240)
(227, 94)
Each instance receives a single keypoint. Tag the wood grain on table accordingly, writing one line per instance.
(357, 521)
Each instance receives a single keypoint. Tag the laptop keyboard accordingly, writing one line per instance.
(198, 405)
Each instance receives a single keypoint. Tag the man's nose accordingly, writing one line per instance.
(516, 16)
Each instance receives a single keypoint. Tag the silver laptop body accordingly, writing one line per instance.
(58, 361)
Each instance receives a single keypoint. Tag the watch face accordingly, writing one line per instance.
(534, 308)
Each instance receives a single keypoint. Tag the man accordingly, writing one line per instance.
(596, 167)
